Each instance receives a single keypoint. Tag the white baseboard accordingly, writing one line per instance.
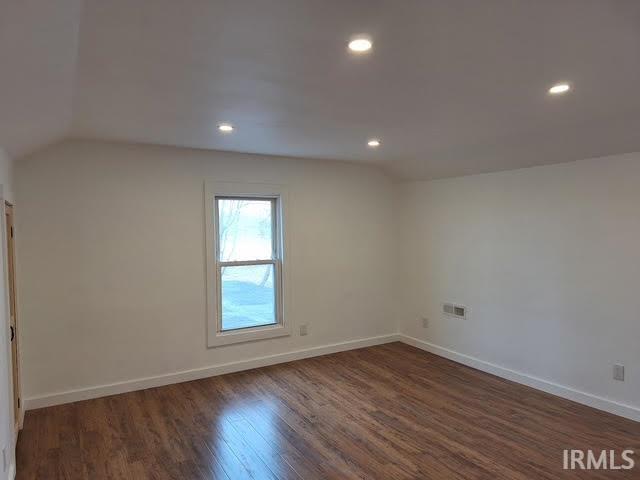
(69, 396)
(584, 398)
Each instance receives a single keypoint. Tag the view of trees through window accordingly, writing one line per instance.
(246, 262)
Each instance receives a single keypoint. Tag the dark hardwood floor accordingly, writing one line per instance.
(386, 412)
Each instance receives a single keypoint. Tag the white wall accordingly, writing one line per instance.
(6, 393)
(112, 266)
(547, 259)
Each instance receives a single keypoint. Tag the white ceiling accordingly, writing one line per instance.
(451, 87)
(38, 51)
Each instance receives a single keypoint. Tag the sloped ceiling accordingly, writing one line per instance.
(451, 87)
(38, 53)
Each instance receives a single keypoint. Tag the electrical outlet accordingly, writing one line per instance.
(425, 322)
(618, 372)
(303, 330)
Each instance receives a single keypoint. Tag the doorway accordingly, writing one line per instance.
(13, 322)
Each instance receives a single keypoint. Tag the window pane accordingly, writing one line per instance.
(244, 229)
(248, 296)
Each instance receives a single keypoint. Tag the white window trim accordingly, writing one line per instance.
(216, 337)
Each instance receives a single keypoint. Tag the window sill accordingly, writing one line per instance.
(249, 335)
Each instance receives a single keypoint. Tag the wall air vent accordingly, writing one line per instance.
(454, 310)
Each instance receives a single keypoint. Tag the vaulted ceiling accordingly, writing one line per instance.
(450, 87)
(38, 56)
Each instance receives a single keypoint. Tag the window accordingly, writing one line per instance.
(245, 243)
(248, 261)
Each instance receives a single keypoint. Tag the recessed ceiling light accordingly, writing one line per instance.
(373, 143)
(360, 44)
(225, 127)
(559, 88)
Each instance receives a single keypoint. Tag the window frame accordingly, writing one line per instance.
(278, 195)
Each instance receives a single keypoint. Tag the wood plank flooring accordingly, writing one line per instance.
(385, 412)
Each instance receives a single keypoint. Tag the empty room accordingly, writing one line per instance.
(320, 239)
